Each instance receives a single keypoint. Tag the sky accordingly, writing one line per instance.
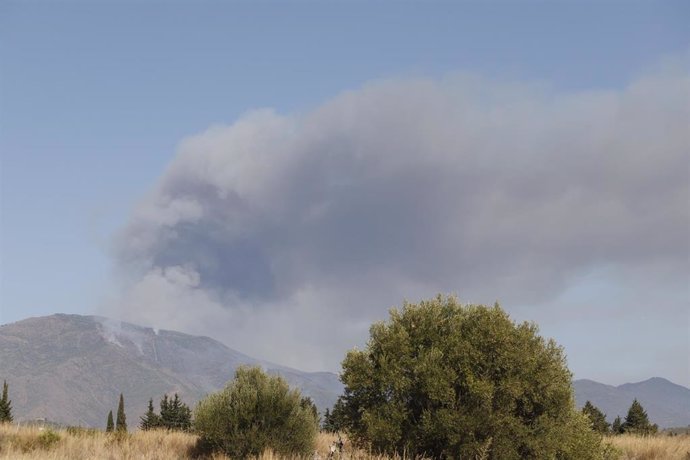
(277, 175)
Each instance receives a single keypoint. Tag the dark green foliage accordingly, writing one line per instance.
(5, 405)
(637, 422)
(255, 412)
(597, 417)
(175, 415)
(150, 419)
(334, 421)
(121, 420)
(48, 439)
(444, 380)
(110, 425)
(617, 426)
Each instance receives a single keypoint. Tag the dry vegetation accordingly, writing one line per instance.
(662, 447)
(31, 443)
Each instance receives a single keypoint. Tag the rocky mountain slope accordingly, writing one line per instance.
(666, 403)
(71, 369)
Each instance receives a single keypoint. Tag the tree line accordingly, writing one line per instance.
(636, 421)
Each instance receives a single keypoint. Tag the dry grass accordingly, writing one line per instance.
(660, 447)
(31, 443)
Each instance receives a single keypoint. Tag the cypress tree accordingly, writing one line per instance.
(109, 426)
(150, 420)
(121, 422)
(5, 405)
(598, 418)
(637, 421)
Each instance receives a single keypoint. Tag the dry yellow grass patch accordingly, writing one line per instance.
(652, 447)
(31, 443)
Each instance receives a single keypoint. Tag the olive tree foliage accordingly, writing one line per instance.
(444, 380)
(255, 412)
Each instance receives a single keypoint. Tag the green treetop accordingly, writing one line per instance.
(597, 417)
(637, 421)
(110, 425)
(121, 421)
(5, 405)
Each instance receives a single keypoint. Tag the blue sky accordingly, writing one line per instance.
(96, 97)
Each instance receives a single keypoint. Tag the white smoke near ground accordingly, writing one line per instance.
(286, 235)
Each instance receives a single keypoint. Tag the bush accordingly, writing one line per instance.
(48, 439)
(451, 381)
(255, 412)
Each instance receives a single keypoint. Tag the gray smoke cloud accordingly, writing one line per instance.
(286, 235)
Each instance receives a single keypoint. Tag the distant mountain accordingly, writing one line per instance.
(71, 369)
(666, 403)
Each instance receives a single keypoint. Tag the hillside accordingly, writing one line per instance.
(666, 403)
(71, 368)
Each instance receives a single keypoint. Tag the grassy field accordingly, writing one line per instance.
(652, 448)
(31, 443)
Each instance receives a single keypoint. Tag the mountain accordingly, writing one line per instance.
(71, 368)
(666, 403)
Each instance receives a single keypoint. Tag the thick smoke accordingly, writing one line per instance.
(285, 235)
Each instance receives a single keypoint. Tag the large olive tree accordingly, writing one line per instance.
(445, 380)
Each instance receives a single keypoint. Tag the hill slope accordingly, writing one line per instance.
(71, 368)
(666, 403)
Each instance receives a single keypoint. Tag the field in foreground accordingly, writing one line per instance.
(30, 443)
(652, 447)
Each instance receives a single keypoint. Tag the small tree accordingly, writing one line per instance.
(110, 425)
(121, 421)
(617, 425)
(597, 418)
(444, 380)
(637, 421)
(255, 412)
(5, 405)
(150, 419)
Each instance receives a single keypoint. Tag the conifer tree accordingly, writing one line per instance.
(121, 421)
(175, 415)
(110, 426)
(617, 426)
(150, 419)
(637, 421)
(5, 405)
(598, 418)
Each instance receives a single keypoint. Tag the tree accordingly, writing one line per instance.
(150, 420)
(333, 421)
(444, 380)
(637, 421)
(121, 421)
(597, 418)
(617, 425)
(177, 416)
(254, 412)
(5, 404)
(110, 426)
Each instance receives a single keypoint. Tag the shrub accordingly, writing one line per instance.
(48, 439)
(445, 380)
(255, 412)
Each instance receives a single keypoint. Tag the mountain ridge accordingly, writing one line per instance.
(71, 368)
